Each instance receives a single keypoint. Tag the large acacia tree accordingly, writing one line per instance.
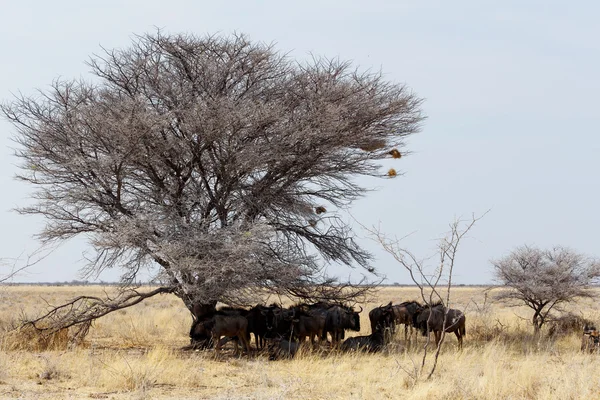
(218, 159)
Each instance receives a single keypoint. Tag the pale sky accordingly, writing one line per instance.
(511, 97)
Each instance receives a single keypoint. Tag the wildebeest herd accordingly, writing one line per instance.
(283, 330)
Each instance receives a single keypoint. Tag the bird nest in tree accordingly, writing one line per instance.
(320, 210)
(395, 153)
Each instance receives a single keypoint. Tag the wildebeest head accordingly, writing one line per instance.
(382, 317)
(387, 316)
(355, 317)
(200, 333)
(418, 309)
(349, 319)
(278, 320)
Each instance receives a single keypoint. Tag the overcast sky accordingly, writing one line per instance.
(511, 97)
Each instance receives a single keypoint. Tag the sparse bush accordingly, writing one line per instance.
(567, 324)
(51, 370)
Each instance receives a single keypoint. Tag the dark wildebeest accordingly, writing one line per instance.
(339, 318)
(590, 341)
(200, 339)
(454, 322)
(404, 313)
(278, 321)
(222, 323)
(282, 348)
(382, 315)
(371, 343)
(257, 323)
(307, 323)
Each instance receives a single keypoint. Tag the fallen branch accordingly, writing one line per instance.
(82, 310)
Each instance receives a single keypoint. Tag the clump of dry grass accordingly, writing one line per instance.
(51, 370)
(27, 337)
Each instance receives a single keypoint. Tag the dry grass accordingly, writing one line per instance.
(135, 354)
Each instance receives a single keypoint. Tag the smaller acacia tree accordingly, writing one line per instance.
(544, 280)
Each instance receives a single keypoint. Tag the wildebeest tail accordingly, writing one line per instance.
(463, 330)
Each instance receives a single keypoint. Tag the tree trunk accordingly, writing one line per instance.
(537, 321)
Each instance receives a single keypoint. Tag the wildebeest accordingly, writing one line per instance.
(278, 321)
(371, 343)
(590, 341)
(282, 348)
(257, 323)
(339, 318)
(383, 316)
(455, 322)
(199, 338)
(222, 323)
(309, 324)
(404, 313)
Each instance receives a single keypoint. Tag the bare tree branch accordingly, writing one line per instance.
(428, 282)
(85, 309)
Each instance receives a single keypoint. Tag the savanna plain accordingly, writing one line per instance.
(137, 353)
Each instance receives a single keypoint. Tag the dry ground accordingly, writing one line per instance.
(135, 354)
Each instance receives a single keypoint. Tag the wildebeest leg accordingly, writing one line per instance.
(405, 332)
(318, 337)
(237, 344)
(245, 343)
(301, 339)
(334, 338)
(459, 338)
(216, 339)
(438, 337)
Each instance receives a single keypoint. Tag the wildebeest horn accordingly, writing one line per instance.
(360, 309)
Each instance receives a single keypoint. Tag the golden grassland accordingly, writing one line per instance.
(136, 354)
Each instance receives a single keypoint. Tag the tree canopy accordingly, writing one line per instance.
(219, 159)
